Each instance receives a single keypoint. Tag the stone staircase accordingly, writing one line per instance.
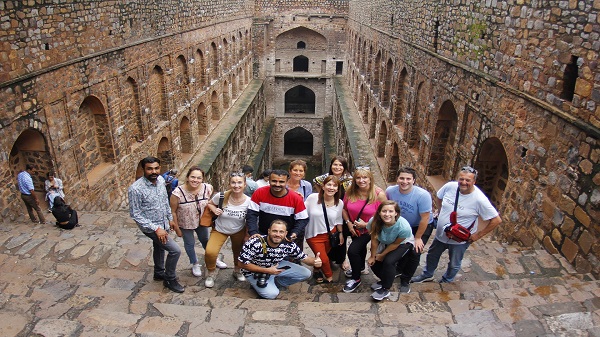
(97, 281)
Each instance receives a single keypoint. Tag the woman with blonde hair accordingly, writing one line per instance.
(360, 204)
(230, 223)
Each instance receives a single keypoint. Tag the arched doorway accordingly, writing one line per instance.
(214, 105)
(381, 139)
(185, 136)
(301, 63)
(165, 155)
(31, 148)
(298, 141)
(203, 120)
(493, 168)
(98, 149)
(373, 123)
(443, 141)
(300, 99)
(394, 163)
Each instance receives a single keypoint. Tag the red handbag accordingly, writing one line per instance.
(455, 231)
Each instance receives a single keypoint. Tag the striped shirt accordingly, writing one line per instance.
(25, 183)
(149, 204)
(265, 208)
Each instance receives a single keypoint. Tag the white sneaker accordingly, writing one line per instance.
(221, 264)
(197, 270)
(239, 276)
(209, 282)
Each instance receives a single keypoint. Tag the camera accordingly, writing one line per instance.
(261, 279)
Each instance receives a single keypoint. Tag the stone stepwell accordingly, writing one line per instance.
(96, 280)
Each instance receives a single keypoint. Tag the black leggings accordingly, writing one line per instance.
(386, 269)
(357, 254)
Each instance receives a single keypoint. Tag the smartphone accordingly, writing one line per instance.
(284, 267)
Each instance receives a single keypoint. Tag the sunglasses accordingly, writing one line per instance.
(364, 168)
(236, 174)
(469, 169)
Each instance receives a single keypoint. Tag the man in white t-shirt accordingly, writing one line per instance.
(472, 204)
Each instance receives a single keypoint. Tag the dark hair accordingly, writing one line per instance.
(28, 167)
(342, 160)
(377, 223)
(50, 174)
(247, 169)
(266, 173)
(59, 202)
(148, 160)
(408, 170)
(298, 162)
(195, 168)
(280, 173)
(336, 196)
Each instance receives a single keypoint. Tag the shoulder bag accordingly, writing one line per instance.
(455, 231)
(207, 219)
(334, 238)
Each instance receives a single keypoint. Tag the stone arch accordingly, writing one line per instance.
(234, 46)
(400, 109)
(381, 139)
(377, 71)
(99, 148)
(289, 39)
(373, 123)
(300, 99)
(214, 106)
(413, 124)
(200, 68)
(298, 141)
(157, 93)
(363, 58)
(361, 97)
(215, 61)
(370, 63)
(387, 83)
(394, 163)
(165, 154)
(240, 45)
(443, 141)
(301, 45)
(226, 97)
(203, 121)
(493, 167)
(181, 80)
(300, 63)
(31, 148)
(185, 135)
(225, 56)
(235, 78)
(131, 105)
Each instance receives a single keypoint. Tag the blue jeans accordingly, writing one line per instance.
(189, 242)
(295, 274)
(160, 267)
(455, 253)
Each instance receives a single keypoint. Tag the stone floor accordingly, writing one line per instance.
(96, 280)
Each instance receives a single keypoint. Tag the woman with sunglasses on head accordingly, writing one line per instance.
(317, 231)
(230, 223)
(187, 205)
(296, 182)
(391, 239)
(360, 204)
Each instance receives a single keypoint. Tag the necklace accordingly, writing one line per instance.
(235, 201)
(329, 203)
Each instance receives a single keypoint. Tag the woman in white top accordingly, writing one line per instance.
(316, 232)
(230, 223)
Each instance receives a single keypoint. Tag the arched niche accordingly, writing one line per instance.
(300, 99)
(300, 63)
(443, 141)
(31, 148)
(493, 167)
(298, 141)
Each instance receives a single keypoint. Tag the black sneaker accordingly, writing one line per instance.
(421, 278)
(159, 277)
(173, 285)
(380, 294)
(404, 288)
(351, 285)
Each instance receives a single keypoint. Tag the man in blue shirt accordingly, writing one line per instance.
(415, 204)
(28, 194)
(149, 208)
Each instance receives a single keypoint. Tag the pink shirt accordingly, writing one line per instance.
(354, 207)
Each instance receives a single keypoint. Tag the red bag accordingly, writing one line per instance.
(455, 231)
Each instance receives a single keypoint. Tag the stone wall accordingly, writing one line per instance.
(103, 102)
(494, 71)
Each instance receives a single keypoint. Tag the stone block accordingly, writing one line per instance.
(529, 328)
(188, 313)
(569, 249)
(167, 326)
(570, 321)
(557, 236)
(585, 241)
(11, 323)
(583, 88)
(582, 216)
(268, 330)
(56, 327)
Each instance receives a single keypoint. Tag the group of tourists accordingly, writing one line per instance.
(66, 217)
(269, 222)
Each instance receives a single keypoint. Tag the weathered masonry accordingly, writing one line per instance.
(510, 87)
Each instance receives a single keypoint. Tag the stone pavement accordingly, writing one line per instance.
(96, 280)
